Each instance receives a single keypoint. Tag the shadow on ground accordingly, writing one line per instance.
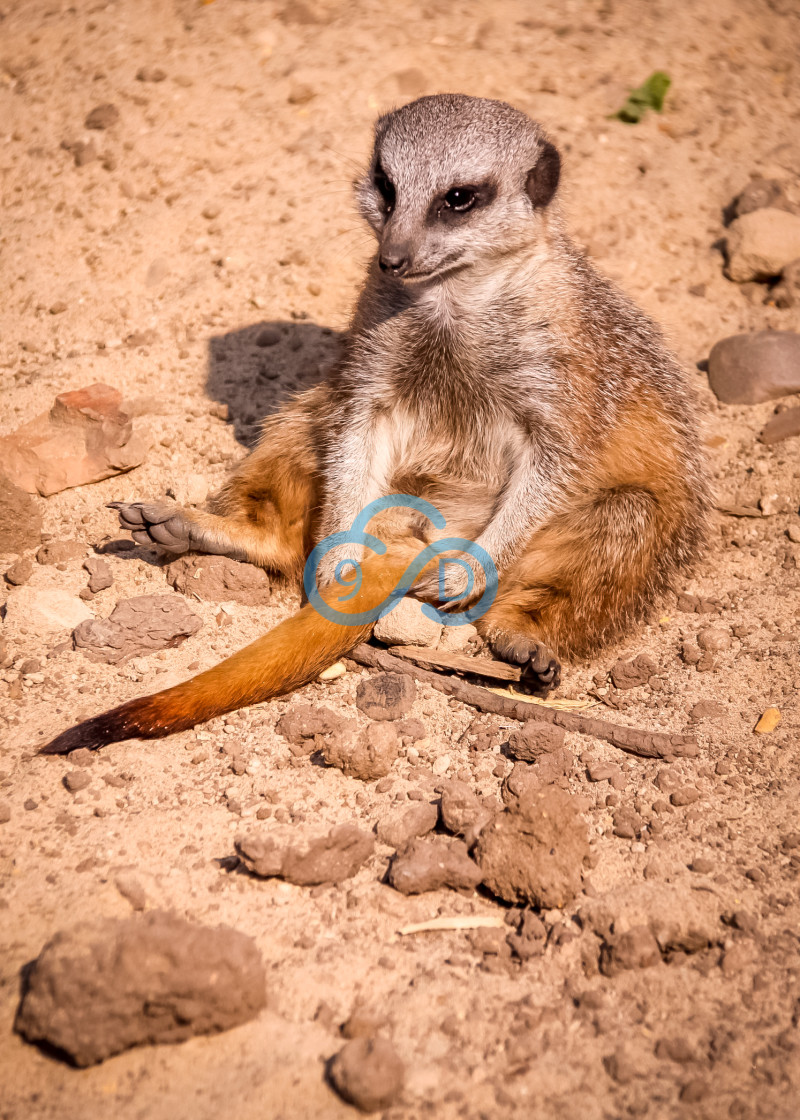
(255, 369)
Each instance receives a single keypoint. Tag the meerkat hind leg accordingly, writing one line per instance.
(171, 528)
(512, 637)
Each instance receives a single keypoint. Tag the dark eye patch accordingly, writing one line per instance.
(461, 200)
(385, 188)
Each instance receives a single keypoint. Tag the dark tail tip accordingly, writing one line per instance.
(129, 721)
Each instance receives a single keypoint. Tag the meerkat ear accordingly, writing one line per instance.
(540, 186)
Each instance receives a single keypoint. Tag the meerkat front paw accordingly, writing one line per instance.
(167, 526)
(541, 669)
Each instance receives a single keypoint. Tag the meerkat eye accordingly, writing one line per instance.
(385, 188)
(460, 199)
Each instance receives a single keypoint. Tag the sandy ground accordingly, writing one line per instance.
(220, 202)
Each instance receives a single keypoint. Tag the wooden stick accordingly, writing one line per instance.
(458, 662)
(644, 744)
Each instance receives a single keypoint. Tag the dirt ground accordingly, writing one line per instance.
(220, 203)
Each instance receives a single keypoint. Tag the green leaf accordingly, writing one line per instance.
(649, 95)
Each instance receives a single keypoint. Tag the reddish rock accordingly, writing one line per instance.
(100, 576)
(631, 674)
(367, 755)
(399, 826)
(533, 739)
(85, 437)
(751, 368)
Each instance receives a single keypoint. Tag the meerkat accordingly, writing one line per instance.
(490, 370)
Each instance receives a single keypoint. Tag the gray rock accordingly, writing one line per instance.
(761, 244)
(304, 859)
(786, 292)
(751, 368)
(760, 194)
(386, 695)
(367, 1073)
(106, 986)
(399, 826)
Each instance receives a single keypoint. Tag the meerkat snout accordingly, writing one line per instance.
(454, 180)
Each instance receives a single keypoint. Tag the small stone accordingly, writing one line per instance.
(702, 866)
(83, 152)
(367, 756)
(137, 627)
(691, 653)
(58, 308)
(407, 625)
(768, 721)
(785, 425)
(5, 812)
(367, 1073)
(386, 696)
(431, 864)
(534, 739)
(761, 243)
(714, 639)
(397, 828)
(601, 772)
(632, 674)
(627, 823)
(757, 367)
(102, 117)
(105, 986)
(20, 572)
(707, 709)
(131, 889)
(304, 859)
(675, 1050)
(157, 271)
(100, 577)
(301, 94)
(301, 725)
(269, 336)
(76, 780)
(150, 74)
(694, 1091)
(684, 795)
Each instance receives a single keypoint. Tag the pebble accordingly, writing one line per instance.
(707, 709)
(76, 780)
(786, 292)
(463, 812)
(269, 336)
(211, 210)
(702, 866)
(768, 721)
(761, 243)
(785, 425)
(5, 812)
(20, 572)
(757, 367)
(714, 639)
(100, 576)
(759, 194)
(102, 117)
(635, 948)
(59, 552)
(684, 795)
(367, 1073)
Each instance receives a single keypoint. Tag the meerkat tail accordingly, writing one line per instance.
(294, 653)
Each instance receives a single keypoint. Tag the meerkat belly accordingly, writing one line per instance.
(462, 478)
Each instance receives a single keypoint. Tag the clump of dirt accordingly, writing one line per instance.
(104, 986)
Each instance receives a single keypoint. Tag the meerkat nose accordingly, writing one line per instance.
(395, 263)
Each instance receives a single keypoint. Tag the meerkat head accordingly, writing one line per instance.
(454, 180)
